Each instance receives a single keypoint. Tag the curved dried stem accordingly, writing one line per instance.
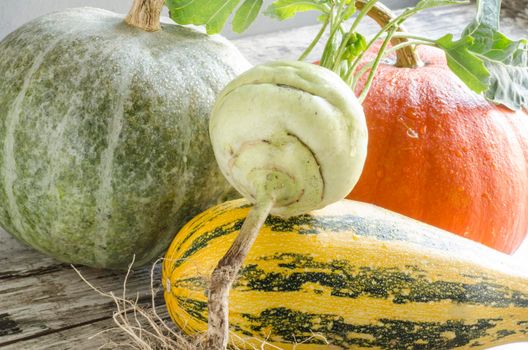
(226, 272)
(381, 14)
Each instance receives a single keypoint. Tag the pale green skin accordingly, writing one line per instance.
(292, 131)
(104, 145)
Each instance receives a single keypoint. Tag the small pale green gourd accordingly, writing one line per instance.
(293, 127)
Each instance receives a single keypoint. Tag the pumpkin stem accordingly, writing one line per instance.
(406, 57)
(145, 14)
(226, 272)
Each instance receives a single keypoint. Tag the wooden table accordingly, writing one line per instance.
(45, 305)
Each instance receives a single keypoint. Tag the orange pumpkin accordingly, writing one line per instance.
(444, 155)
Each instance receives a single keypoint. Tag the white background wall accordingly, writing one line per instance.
(14, 13)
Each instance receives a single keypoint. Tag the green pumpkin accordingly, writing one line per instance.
(104, 145)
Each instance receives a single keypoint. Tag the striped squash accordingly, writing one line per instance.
(360, 276)
(104, 143)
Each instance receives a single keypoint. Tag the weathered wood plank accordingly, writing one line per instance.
(39, 305)
(18, 260)
(79, 337)
(88, 336)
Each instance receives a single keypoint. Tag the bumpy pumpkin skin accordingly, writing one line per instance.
(443, 155)
(104, 146)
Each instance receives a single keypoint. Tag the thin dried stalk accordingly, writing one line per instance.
(144, 328)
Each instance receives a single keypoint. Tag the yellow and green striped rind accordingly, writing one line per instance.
(360, 276)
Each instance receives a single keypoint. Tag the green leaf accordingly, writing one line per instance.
(483, 48)
(509, 79)
(246, 15)
(505, 59)
(507, 62)
(488, 13)
(211, 13)
(469, 68)
(284, 9)
(356, 44)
